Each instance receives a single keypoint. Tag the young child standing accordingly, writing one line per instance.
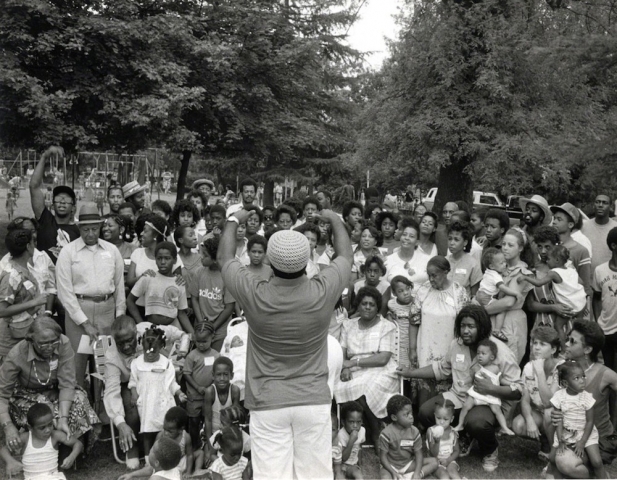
(401, 309)
(257, 248)
(566, 287)
(173, 428)
(218, 396)
(400, 444)
(211, 301)
(39, 456)
(165, 300)
(442, 441)
(11, 203)
(197, 373)
(153, 385)
(541, 382)
(576, 431)
(492, 284)
(486, 354)
(350, 438)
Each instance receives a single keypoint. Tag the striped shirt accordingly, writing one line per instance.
(229, 472)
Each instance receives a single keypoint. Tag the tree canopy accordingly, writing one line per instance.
(514, 96)
(261, 85)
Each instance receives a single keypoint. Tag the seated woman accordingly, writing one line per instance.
(41, 369)
(368, 374)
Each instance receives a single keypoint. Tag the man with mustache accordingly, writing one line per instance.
(536, 212)
(596, 230)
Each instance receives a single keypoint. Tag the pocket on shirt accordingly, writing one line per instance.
(461, 373)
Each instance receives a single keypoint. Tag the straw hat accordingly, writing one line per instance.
(569, 210)
(202, 181)
(541, 203)
(132, 188)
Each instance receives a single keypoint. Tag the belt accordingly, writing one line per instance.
(95, 298)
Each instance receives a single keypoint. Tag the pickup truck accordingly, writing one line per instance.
(480, 199)
(513, 207)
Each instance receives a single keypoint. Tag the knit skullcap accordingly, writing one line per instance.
(288, 251)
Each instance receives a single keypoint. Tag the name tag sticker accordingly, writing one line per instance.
(53, 364)
(127, 262)
(406, 443)
(209, 361)
(461, 271)
(373, 335)
(460, 357)
(28, 285)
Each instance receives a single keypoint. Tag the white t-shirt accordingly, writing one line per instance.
(597, 236)
(490, 282)
(604, 281)
(574, 408)
(569, 291)
(343, 440)
(414, 269)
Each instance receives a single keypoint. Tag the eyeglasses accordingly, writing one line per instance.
(44, 345)
(268, 217)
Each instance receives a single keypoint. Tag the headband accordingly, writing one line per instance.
(156, 229)
(523, 234)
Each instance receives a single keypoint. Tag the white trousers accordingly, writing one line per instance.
(292, 443)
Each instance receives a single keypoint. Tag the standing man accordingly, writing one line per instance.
(135, 193)
(596, 230)
(205, 187)
(441, 234)
(287, 375)
(564, 219)
(248, 190)
(325, 199)
(90, 283)
(536, 212)
(58, 229)
(115, 199)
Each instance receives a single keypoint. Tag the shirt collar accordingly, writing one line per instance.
(80, 244)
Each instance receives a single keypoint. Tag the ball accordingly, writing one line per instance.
(437, 431)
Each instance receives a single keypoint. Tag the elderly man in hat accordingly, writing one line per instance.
(57, 229)
(287, 374)
(134, 193)
(90, 283)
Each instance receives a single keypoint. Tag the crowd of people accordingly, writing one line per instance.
(244, 342)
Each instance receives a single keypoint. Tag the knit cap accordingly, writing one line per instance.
(288, 251)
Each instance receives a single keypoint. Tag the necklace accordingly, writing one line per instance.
(37, 375)
(589, 367)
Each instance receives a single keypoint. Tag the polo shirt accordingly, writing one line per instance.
(288, 327)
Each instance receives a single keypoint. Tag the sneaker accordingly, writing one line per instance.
(491, 462)
(132, 463)
(465, 445)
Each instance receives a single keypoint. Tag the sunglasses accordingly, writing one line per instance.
(268, 217)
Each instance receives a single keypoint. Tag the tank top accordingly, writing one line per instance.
(39, 462)
(601, 417)
(217, 407)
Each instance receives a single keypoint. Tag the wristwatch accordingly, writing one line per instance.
(233, 219)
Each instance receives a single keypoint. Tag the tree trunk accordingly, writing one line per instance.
(184, 170)
(268, 192)
(454, 184)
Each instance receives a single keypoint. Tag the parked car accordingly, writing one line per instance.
(513, 207)
(480, 199)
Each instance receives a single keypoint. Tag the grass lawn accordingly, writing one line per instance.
(517, 457)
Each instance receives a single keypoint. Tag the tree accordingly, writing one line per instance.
(484, 93)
